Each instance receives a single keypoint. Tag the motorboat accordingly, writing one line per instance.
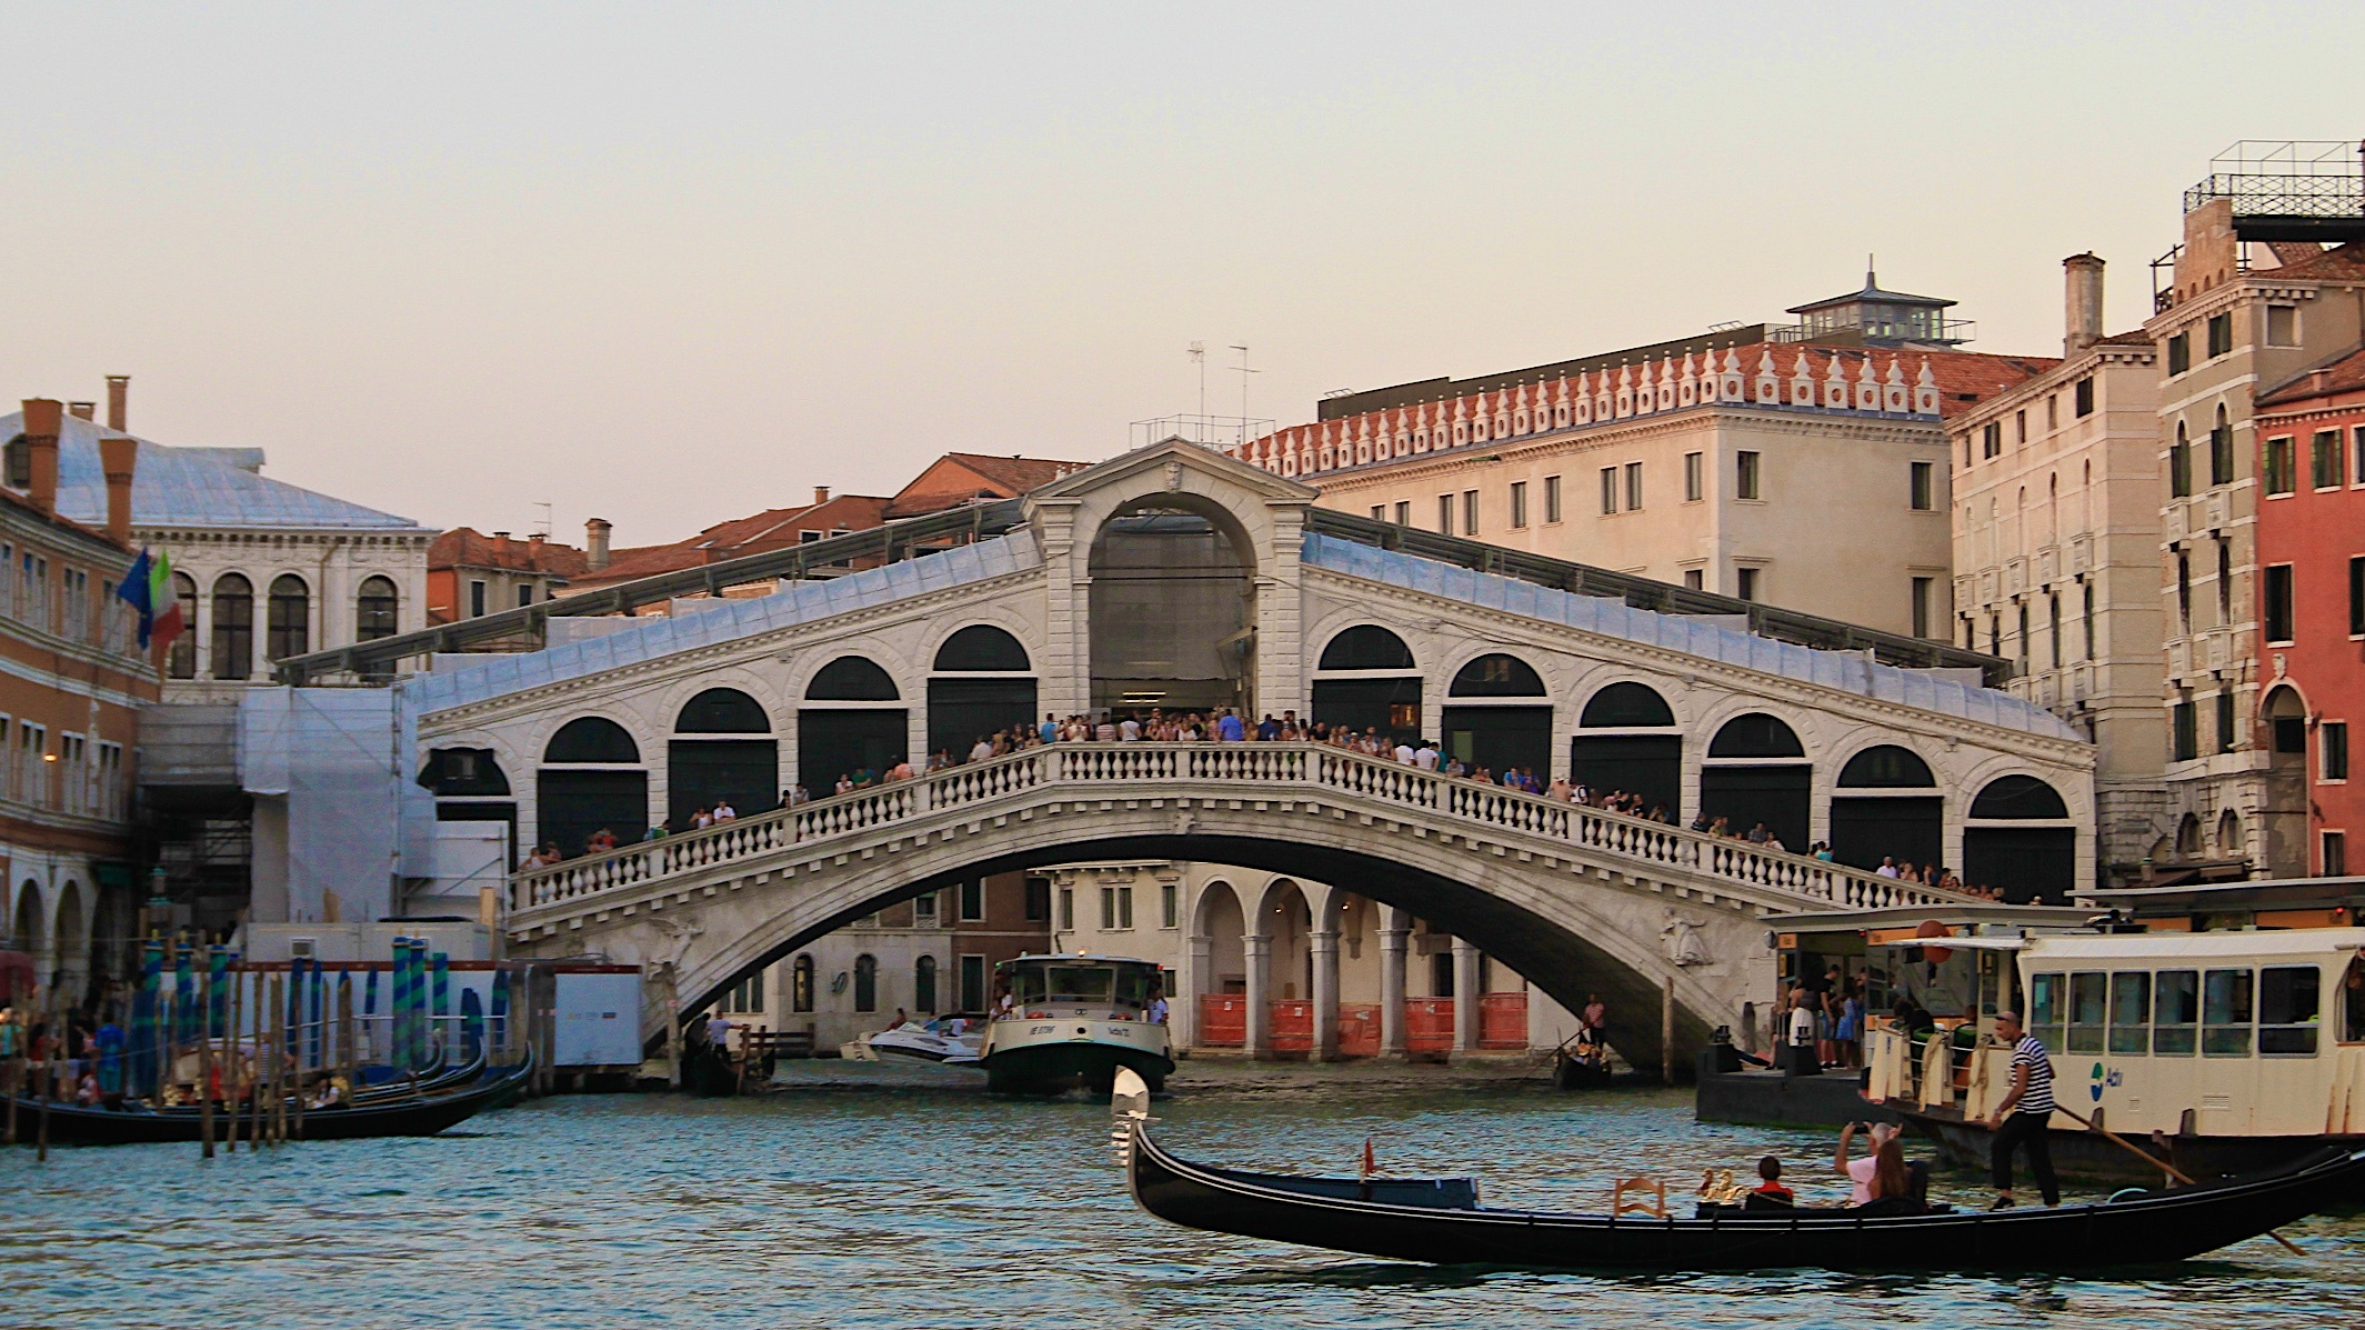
(1075, 1020)
(1439, 1221)
(951, 1040)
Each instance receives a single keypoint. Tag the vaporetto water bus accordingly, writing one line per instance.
(2217, 1052)
(1073, 1020)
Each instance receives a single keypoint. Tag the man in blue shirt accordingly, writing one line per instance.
(1049, 728)
(1228, 727)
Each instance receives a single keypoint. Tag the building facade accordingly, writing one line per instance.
(73, 681)
(2311, 586)
(470, 574)
(2242, 315)
(2056, 553)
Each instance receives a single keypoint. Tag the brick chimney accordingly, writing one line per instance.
(820, 495)
(119, 402)
(595, 543)
(83, 410)
(500, 549)
(42, 420)
(534, 550)
(118, 455)
(2082, 303)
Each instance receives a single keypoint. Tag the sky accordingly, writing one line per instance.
(671, 264)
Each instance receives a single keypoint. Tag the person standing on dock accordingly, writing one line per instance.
(2020, 1121)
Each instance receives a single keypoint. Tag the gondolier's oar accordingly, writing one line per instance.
(2163, 1165)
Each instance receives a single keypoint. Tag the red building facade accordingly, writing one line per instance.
(2311, 586)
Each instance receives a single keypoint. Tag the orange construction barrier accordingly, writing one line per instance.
(1359, 1029)
(1428, 1025)
(1502, 1020)
(1223, 1021)
(1289, 1026)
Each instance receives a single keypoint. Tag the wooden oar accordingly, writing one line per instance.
(2161, 1164)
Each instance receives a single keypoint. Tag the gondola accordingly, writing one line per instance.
(422, 1115)
(1440, 1222)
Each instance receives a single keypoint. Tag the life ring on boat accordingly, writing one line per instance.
(1933, 928)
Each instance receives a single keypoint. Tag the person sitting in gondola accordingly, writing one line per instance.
(1770, 1194)
(1892, 1190)
(1861, 1172)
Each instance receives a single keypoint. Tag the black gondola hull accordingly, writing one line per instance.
(2149, 1230)
(74, 1125)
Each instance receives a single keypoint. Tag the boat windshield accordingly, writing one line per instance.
(1124, 985)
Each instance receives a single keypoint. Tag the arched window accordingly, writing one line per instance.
(234, 627)
(851, 679)
(1497, 675)
(1755, 735)
(722, 711)
(981, 647)
(180, 659)
(2018, 798)
(591, 739)
(2230, 844)
(374, 610)
(1623, 705)
(924, 985)
(866, 982)
(1366, 647)
(2188, 836)
(800, 984)
(290, 627)
(463, 771)
(1887, 766)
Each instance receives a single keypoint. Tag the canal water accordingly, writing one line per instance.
(911, 1203)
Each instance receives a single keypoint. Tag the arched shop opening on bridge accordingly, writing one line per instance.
(1366, 680)
(722, 751)
(1626, 740)
(1497, 717)
(2019, 838)
(843, 731)
(982, 684)
(1886, 805)
(1173, 604)
(1756, 773)
(591, 780)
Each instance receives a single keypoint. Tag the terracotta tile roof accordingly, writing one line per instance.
(958, 478)
(2344, 375)
(467, 548)
(771, 529)
(2136, 337)
(2344, 264)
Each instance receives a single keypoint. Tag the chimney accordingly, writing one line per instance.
(119, 402)
(41, 426)
(118, 454)
(83, 410)
(2082, 305)
(500, 549)
(595, 543)
(820, 495)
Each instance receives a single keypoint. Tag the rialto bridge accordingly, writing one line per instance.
(1174, 576)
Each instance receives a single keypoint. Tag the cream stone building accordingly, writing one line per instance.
(2056, 553)
(1801, 466)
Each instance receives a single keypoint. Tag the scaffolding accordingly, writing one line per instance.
(2290, 189)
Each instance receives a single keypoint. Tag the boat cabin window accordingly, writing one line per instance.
(2287, 1010)
(2130, 1011)
(1096, 985)
(2225, 1013)
(2352, 1002)
(2048, 1010)
(2085, 1012)
(2176, 1013)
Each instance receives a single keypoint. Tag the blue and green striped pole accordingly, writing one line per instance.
(398, 1007)
(184, 997)
(418, 1053)
(501, 1010)
(440, 990)
(143, 1019)
(369, 1012)
(217, 994)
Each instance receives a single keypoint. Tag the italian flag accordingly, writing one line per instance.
(147, 586)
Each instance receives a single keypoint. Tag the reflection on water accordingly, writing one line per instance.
(928, 1208)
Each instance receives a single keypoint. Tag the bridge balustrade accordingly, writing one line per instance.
(1262, 770)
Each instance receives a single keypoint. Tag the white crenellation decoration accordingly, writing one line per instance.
(1802, 381)
(1893, 389)
(1420, 430)
(1403, 434)
(1580, 407)
(1564, 411)
(1461, 422)
(1625, 398)
(1769, 388)
(1329, 455)
(1666, 389)
(1835, 386)
(1519, 417)
(1925, 392)
(1728, 384)
(1687, 386)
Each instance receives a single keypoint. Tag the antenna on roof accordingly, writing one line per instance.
(1244, 371)
(1198, 352)
(544, 505)
(1871, 282)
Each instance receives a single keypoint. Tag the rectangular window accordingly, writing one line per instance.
(1745, 583)
(1633, 487)
(2336, 854)
(924, 911)
(2226, 716)
(476, 601)
(2332, 749)
(1038, 900)
(2277, 594)
(2225, 582)
(2225, 1013)
(2282, 325)
(1404, 514)
(1469, 512)
(2221, 334)
(2048, 1010)
(33, 744)
(1609, 490)
(2184, 722)
(1921, 488)
(2287, 1010)
(2084, 392)
(2176, 1013)
(2087, 994)
(2356, 450)
(2020, 426)
(2180, 354)
(1445, 514)
(973, 901)
(1108, 908)
(2021, 651)
(973, 995)
(2279, 479)
(2357, 597)
(2130, 1011)
(1921, 606)
(1124, 907)
(1991, 439)
(2053, 627)
(2053, 412)
(1519, 505)
(1745, 475)
(1067, 909)
(525, 594)
(1169, 905)
(1695, 579)
(1551, 499)
(2325, 464)
(1694, 482)
(1379, 512)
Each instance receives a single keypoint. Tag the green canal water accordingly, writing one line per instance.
(911, 1204)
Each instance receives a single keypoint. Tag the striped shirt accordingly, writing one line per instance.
(2038, 1097)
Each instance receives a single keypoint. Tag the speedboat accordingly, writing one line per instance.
(1075, 1020)
(951, 1040)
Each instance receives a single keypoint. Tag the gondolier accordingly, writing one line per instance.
(2021, 1120)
